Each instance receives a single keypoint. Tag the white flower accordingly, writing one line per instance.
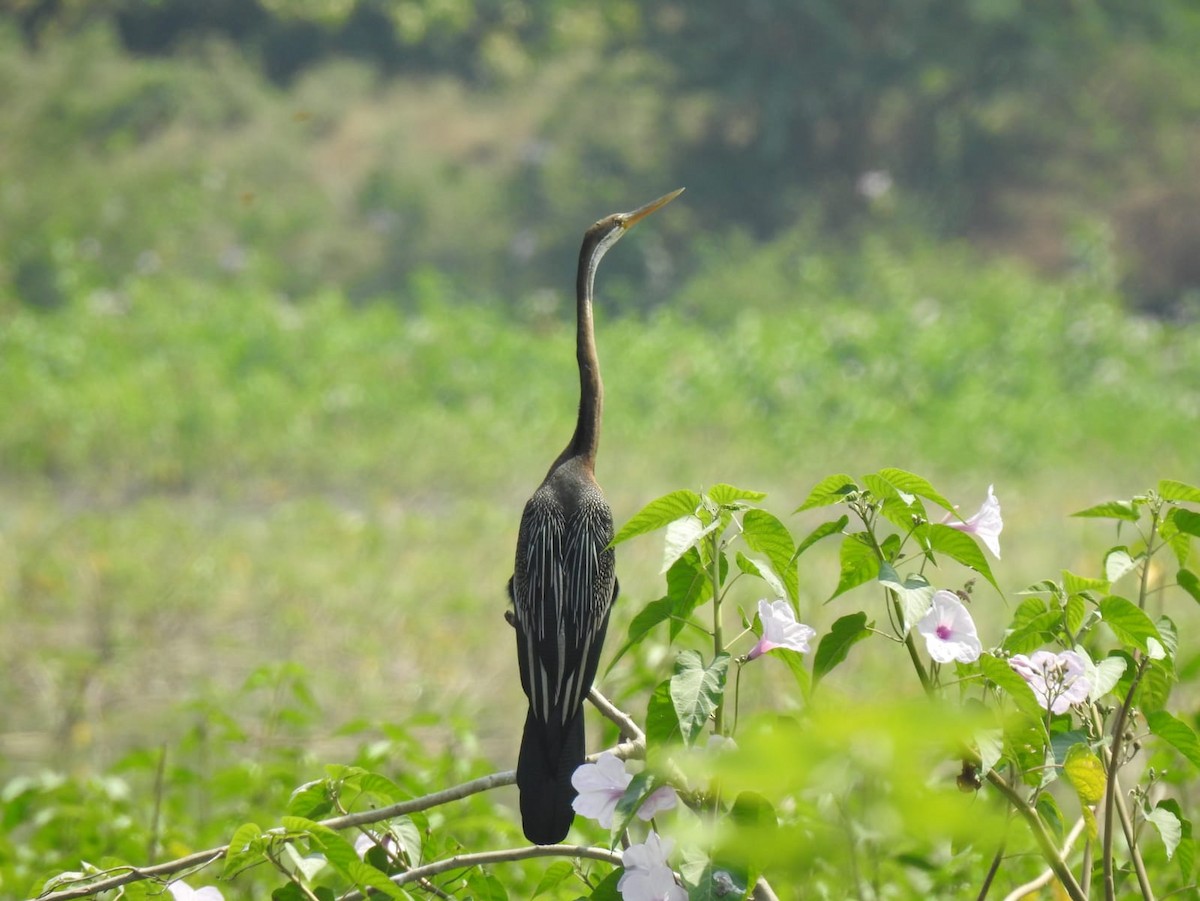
(181, 891)
(648, 876)
(651, 885)
(986, 524)
(602, 784)
(780, 629)
(1058, 680)
(949, 630)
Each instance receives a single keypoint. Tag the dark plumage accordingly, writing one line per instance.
(564, 580)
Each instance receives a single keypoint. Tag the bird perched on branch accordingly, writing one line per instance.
(564, 581)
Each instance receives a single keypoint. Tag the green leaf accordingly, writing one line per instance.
(483, 886)
(696, 690)
(1104, 676)
(606, 890)
(658, 513)
(1170, 490)
(554, 876)
(765, 534)
(1185, 854)
(1168, 634)
(824, 530)
(1034, 633)
(1155, 687)
(727, 495)
(1188, 582)
(411, 837)
(753, 813)
(942, 539)
(1075, 613)
(914, 592)
(909, 483)
(795, 662)
(1086, 774)
(380, 788)
(643, 624)
(1186, 521)
(1010, 682)
(641, 785)
(688, 586)
(761, 570)
(898, 507)
(684, 534)
(1131, 625)
(859, 564)
(1170, 829)
(1176, 733)
(311, 800)
(305, 867)
(1076, 584)
(1047, 809)
(830, 490)
(337, 850)
(835, 645)
(1125, 510)
(245, 848)
(662, 723)
(1117, 563)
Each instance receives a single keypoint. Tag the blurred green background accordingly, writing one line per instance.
(286, 317)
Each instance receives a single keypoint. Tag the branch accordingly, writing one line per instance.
(629, 729)
(1057, 864)
(1112, 789)
(482, 858)
(1023, 891)
(115, 878)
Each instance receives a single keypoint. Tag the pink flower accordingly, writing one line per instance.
(648, 876)
(986, 524)
(602, 784)
(780, 629)
(1058, 680)
(949, 630)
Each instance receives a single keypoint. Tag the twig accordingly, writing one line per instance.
(482, 858)
(763, 891)
(1110, 797)
(124, 875)
(1022, 891)
(1057, 864)
(629, 729)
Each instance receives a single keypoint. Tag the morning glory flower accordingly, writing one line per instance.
(651, 885)
(648, 876)
(1058, 680)
(602, 784)
(780, 629)
(986, 524)
(949, 630)
(181, 891)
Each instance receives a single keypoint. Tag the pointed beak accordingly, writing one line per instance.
(629, 220)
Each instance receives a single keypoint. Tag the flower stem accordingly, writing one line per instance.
(718, 634)
(1110, 795)
(918, 664)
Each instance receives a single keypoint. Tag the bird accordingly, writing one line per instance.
(564, 579)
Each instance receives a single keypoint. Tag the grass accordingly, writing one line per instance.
(201, 482)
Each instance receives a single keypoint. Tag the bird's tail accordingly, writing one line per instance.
(549, 756)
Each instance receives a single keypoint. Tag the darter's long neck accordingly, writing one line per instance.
(586, 439)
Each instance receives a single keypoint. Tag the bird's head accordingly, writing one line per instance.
(605, 233)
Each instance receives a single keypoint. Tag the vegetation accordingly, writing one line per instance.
(285, 340)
